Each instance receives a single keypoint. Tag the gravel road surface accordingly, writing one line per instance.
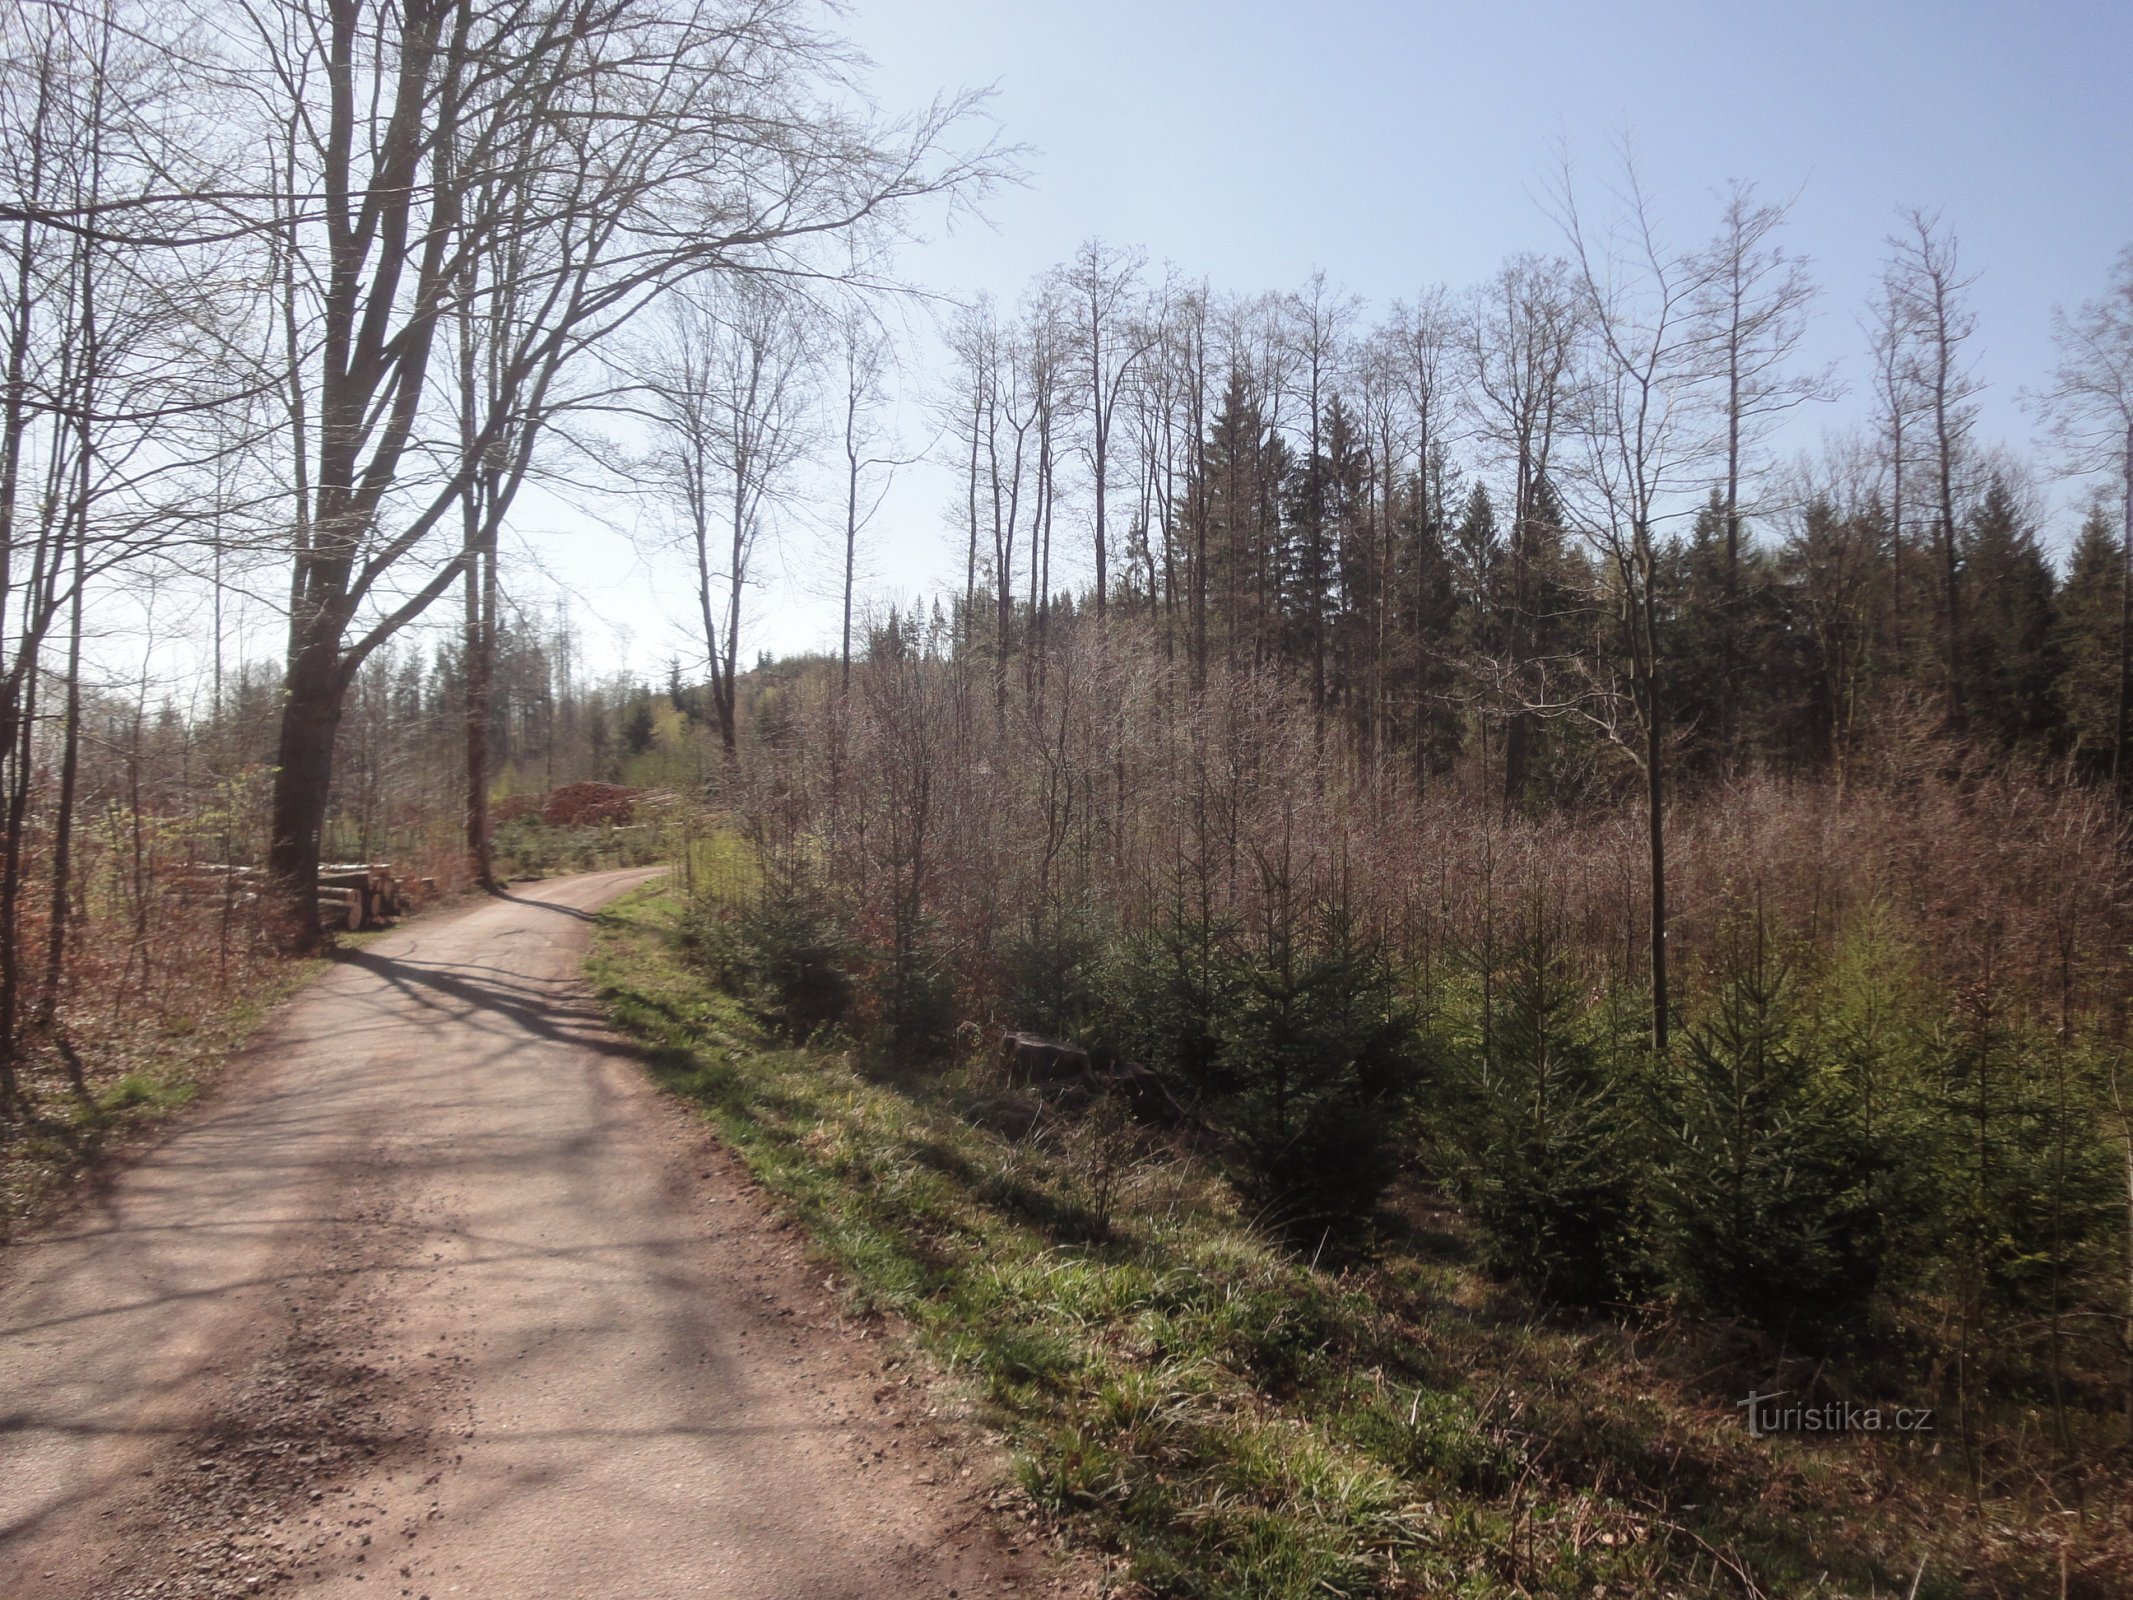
(437, 1295)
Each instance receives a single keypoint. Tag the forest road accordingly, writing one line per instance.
(436, 1295)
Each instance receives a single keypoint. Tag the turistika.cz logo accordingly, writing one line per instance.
(1766, 1416)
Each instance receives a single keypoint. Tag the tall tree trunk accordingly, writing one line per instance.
(69, 770)
(1896, 645)
(729, 699)
(1952, 602)
(1952, 608)
(970, 559)
(1518, 724)
(1655, 823)
(18, 805)
(2122, 746)
(303, 777)
(1102, 425)
(1036, 541)
(851, 535)
(1197, 497)
(1044, 598)
(1729, 599)
(480, 691)
(721, 698)
(478, 537)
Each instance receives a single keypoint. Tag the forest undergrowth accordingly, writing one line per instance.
(1229, 1408)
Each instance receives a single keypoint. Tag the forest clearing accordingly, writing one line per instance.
(712, 884)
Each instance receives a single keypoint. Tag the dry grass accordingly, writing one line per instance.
(151, 1011)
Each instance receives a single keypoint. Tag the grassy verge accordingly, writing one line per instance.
(1232, 1420)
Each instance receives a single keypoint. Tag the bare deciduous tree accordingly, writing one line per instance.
(1644, 417)
(729, 380)
(1754, 312)
(114, 370)
(625, 150)
(1417, 351)
(1891, 334)
(1925, 288)
(1101, 289)
(864, 355)
(2089, 409)
(1516, 340)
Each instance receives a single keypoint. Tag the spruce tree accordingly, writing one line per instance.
(1476, 551)
(2011, 661)
(1833, 636)
(1872, 1025)
(1322, 503)
(1243, 465)
(1167, 988)
(1702, 635)
(1767, 1192)
(2090, 625)
(1322, 1053)
(1433, 618)
(1545, 600)
(1549, 1147)
(2030, 1186)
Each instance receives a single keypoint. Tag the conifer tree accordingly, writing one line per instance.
(2012, 663)
(1705, 623)
(1767, 1187)
(1434, 614)
(1551, 1152)
(1322, 1053)
(2091, 604)
(2028, 1187)
(1837, 617)
(1240, 458)
(2090, 410)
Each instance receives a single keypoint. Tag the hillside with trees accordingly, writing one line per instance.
(1490, 814)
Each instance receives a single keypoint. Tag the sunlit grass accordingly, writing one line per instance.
(1227, 1419)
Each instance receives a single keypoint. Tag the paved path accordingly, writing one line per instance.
(438, 1296)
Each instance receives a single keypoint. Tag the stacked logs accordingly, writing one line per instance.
(351, 895)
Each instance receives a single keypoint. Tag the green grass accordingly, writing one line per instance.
(531, 849)
(1227, 1419)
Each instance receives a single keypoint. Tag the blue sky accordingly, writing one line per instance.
(1396, 146)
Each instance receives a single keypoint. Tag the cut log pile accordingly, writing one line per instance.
(584, 805)
(351, 895)
(581, 805)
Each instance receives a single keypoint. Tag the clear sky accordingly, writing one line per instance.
(1397, 146)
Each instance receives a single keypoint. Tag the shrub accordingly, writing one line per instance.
(1549, 1145)
(1051, 979)
(1167, 990)
(712, 939)
(802, 979)
(1767, 1192)
(780, 951)
(2032, 1191)
(1873, 1031)
(917, 1004)
(1324, 1054)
